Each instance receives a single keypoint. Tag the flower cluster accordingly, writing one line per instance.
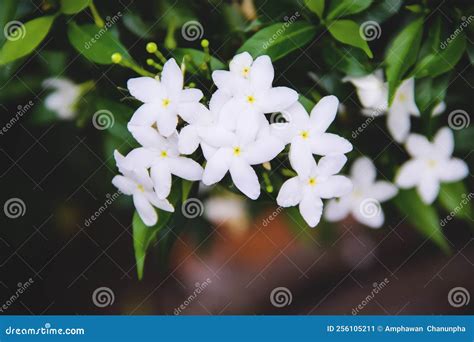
(234, 134)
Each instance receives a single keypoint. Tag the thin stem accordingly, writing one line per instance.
(95, 14)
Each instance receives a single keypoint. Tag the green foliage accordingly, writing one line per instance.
(348, 32)
(73, 6)
(453, 197)
(198, 59)
(342, 8)
(27, 38)
(279, 39)
(422, 216)
(317, 6)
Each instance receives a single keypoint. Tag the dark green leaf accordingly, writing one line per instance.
(25, 38)
(350, 61)
(342, 8)
(96, 44)
(455, 198)
(381, 11)
(316, 6)
(422, 216)
(464, 139)
(137, 26)
(348, 32)
(429, 92)
(73, 6)
(402, 54)
(279, 39)
(7, 14)
(197, 60)
(186, 189)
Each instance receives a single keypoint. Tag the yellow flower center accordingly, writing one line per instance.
(237, 151)
(402, 97)
(164, 154)
(312, 181)
(304, 134)
(431, 163)
(140, 188)
(245, 71)
(165, 102)
(250, 99)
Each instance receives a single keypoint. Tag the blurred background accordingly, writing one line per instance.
(237, 256)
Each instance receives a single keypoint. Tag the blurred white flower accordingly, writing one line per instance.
(64, 97)
(373, 94)
(164, 100)
(431, 164)
(308, 188)
(364, 200)
(138, 184)
(162, 157)
(307, 134)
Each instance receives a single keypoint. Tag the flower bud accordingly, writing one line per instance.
(151, 47)
(116, 58)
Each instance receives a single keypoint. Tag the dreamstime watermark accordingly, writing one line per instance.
(22, 287)
(465, 201)
(192, 30)
(370, 30)
(464, 23)
(103, 296)
(459, 296)
(109, 22)
(288, 22)
(200, 287)
(46, 330)
(377, 287)
(192, 208)
(103, 119)
(267, 220)
(107, 203)
(14, 30)
(21, 110)
(377, 112)
(14, 208)
(280, 297)
(370, 208)
(458, 119)
(280, 120)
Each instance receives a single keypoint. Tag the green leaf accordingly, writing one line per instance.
(422, 216)
(402, 54)
(73, 6)
(470, 52)
(350, 61)
(429, 92)
(144, 236)
(464, 140)
(307, 103)
(455, 198)
(135, 24)
(186, 189)
(348, 32)
(279, 39)
(342, 8)
(197, 59)
(96, 44)
(316, 6)
(442, 61)
(7, 14)
(381, 11)
(25, 39)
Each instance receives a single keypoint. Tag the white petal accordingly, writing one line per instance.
(145, 115)
(218, 100)
(290, 193)
(124, 184)
(145, 89)
(329, 143)
(188, 139)
(398, 123)
(262, 73)
(452, 170)
(371, 90)
(167, 122)
(428, 189)
(323, 114)
(161, 176)
(217, 136)
(145, 209)
(301, 158)
(330, 165)
(382, 191)
(185, 168)
(240, 61)
(278, 99)
(418, 146)
(227, 81)
(444, 142)
(217, 166)
(407, 88)
(245, 178)
(311, 208)
(159, 203)
(439, 109)
(147, 136)
(190, 95)
(208, 150)
(297, 115)
(139, 158)
(190, 111)
(410, 174)
(334, 186)
(363, 171)
(263, 150)
(337, 209)
(372, 216)
(172, 78)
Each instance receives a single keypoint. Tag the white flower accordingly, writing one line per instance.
(137, 183)
(164, 100)
(235, 152)
(364, 200)
(162, 157)
(307, 134)
(431, 164)
(373, 94)
(308, 188)
(64, 98)
(249, 84)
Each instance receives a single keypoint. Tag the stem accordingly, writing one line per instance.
(95, 14)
